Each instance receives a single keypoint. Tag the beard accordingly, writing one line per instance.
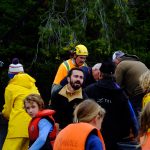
(76, 85)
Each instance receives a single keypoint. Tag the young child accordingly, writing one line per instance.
(84, 134)
(145, 127)
(19, 86)
(145, 85)
(42, 129)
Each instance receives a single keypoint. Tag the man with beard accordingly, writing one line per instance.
(77, 60)
(65, 99)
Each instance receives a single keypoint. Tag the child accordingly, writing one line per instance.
(145, 127)
(145, 85)
(19, 86)
(42, 130)
(84, 134)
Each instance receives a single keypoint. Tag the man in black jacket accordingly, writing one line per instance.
(65, 99)
(120, 118)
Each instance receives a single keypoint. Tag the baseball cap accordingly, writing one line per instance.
(117, 54)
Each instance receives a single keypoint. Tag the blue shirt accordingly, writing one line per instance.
(93, 143)
(45, 127)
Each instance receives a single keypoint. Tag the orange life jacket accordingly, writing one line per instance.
(73, 137)
(145, 141)
(33, 126)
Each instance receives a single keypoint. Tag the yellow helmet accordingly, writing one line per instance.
(81, 50)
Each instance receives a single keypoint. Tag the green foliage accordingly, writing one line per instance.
(109, 25)
(42, 32)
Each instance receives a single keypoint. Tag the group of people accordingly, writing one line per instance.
(91, 108)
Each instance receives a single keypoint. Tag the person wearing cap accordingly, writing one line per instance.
(145, 85)
(129, 68)
(120, 118)
(20, 85)
(79, 57)
(15, 68)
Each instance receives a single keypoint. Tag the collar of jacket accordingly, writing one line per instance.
(130, 57)
(71, 96)
(107, 83)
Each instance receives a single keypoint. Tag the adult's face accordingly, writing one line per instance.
(76, 79)
(116, 61)
(96, 74)
(80, 60)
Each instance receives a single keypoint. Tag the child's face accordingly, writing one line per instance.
(99, 121)
(32, 108)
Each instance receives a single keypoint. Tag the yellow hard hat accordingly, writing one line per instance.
(81, 50)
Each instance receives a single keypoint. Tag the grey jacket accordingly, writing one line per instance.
(128, 72)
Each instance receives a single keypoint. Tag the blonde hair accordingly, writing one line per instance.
(145, 81)
(34, 98)
(145, 119)
(88, 110)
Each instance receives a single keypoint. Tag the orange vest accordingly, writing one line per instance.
(33, 126)
(63, 70)
(73, 137)
(145, 142)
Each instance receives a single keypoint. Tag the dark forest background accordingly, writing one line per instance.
(41, 33)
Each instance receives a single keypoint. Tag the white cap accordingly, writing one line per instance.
(97, 66)
(117, 54)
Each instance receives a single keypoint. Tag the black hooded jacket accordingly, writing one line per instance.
(118, 119)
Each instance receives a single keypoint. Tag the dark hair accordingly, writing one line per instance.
(70, 71)
(107, 67)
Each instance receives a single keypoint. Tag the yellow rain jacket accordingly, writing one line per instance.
(17, 89)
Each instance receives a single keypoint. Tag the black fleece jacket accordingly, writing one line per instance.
(118, 119)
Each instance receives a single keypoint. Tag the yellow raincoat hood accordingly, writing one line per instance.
(23, 79)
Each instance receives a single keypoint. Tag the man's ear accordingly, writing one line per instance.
(74, 56)
(100, 75)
